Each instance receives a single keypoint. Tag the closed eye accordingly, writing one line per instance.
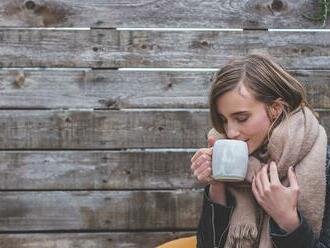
(242, 119)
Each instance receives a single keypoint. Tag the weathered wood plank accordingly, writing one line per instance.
(146, 13)
(90, 240)
(88, 129)
(93, 170)
(113, 48)
(100, 210)
(317, 85)
(127, 89)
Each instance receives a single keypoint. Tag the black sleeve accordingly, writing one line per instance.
(303, 236)
(212, 227)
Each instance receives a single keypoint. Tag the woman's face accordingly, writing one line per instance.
(244, 117)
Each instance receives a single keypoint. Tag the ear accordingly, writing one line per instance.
(276, 108)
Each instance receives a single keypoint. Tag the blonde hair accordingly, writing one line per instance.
(267, 81)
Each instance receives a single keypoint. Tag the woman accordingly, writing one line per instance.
(283, 201)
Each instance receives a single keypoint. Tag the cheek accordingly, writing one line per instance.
(258, 127)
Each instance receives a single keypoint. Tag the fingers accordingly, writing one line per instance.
(196, 155)
(210, 141)
(199, 161)
(205, 176)
(273, 173)
(264, 179)
(293, 179)
(200, 152)
(255, 190)
(261, 184)
(203, 172)
(201, 165)
(258, 184)
(202, 168)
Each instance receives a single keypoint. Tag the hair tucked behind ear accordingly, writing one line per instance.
(266, 80)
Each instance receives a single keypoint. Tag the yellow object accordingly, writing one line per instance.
(188, 242)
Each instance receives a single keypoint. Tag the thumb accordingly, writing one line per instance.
(292, 178)
(210, 141)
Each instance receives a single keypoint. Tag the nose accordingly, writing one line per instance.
(232, 132)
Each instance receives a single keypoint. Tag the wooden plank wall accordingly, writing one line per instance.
(93, 156)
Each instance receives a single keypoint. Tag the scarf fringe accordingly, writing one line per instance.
(241, 236)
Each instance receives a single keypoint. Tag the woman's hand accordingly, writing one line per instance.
(201, 162)
(278, 201)
(201, 166)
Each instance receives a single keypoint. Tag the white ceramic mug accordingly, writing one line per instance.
(229, 160)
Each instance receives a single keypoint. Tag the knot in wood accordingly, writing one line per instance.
(277, 5)
(68, 120)
(30, 4)
(20, 79)
(204, 43)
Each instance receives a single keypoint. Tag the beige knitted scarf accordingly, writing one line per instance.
(299, 141)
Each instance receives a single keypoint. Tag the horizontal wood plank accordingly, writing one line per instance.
(146, 13)
(114, 49)
(112, 89)
(88, 129)
(96, 170)
(100, 210)
(90, 240)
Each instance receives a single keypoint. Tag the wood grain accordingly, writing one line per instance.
(96, 170)
(88, 129)
(180, 49)
(112, 89)
(100, 210)
(166, 13)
